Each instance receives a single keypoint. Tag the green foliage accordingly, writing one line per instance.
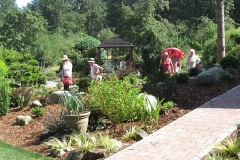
(235, 51)
(83, 83)
(130, 134)
(18, 31)
(227, 76)
(168, 105)
(37, 111)
(230, 62)
(53, 123)
(181, 78)
(209, 53)
(228, 149)
(4, 90)
(118, 99)
(87, 43)
(23, 96)
(23, 68)
(194, 71)
(72, 104)
(105, 34)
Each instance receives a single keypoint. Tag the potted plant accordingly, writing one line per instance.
(74, 112)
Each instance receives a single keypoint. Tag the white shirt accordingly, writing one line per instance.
(67, 69)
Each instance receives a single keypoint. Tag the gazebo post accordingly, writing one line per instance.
(99, 56)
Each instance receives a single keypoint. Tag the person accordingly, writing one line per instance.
(166, 62)
(96, 70)
(176, 63)
(123, 65)
(66, 73)
(192, 59)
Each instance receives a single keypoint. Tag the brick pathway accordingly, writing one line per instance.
(191, 136)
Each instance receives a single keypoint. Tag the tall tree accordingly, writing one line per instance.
(220, 30)
(21, 29)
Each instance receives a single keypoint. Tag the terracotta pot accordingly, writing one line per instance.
(77, 122)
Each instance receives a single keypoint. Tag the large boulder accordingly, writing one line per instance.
(23, 120)
(54, 97)
(210, 76)
(150, 101)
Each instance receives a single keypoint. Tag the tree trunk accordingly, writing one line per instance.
(220, 30)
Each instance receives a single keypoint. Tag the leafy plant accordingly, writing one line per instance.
(230, 62)
(181, 78)
(53, 123)
(4, 90)
(118, 99)
(227, 76)
(72, 104)
(37, 111)
(168, 105)
(84, 82)
(194, 71)
(130, 134)
(23, 96)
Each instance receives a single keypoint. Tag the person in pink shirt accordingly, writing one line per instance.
(166, 62)
(96, 70)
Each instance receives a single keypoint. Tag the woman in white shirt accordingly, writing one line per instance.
(192, 59)
(66, 73)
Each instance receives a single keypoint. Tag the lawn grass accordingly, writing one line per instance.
(9, 152)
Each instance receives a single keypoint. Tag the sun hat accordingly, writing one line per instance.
(65, 57)
(165, 54)
(91, 60)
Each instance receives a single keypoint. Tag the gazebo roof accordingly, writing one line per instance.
(115, 42)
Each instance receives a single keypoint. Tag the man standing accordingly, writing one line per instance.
(96, 70)
(66, 73)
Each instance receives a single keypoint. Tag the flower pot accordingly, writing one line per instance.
(77, 122)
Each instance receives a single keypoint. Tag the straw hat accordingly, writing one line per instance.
(91, 60)
(165, 54)
(65, 57)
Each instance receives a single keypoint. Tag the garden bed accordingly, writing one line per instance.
(187, 97)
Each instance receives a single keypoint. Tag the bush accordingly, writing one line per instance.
(84, 83)
(118, 99)
(227, 76)
(181, 78)
(4, 90)
(22, 96)
(230, 62)
(37, 111)
(194, 71)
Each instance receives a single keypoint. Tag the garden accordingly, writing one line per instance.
(117, 110)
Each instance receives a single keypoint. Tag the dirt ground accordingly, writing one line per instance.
(187, 97)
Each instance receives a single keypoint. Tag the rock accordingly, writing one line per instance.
(54, 97)
(140, 134)
(210, 76)
(35, 103)
(75, 155)
(150, 101)
(95, 154)
(23, 120)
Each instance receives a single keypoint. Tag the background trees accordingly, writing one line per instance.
(47, 29)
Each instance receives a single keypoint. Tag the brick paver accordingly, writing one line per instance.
(192, 136)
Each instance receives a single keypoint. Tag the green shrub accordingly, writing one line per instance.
(37, 111)
(23, 96)
(84, 83)
(168, 105)
(194, 71)
(227, 76)
(181, 78)
(4, 90)
(230, 62)
(118, 99)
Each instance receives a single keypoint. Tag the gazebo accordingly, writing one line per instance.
(114, 42)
